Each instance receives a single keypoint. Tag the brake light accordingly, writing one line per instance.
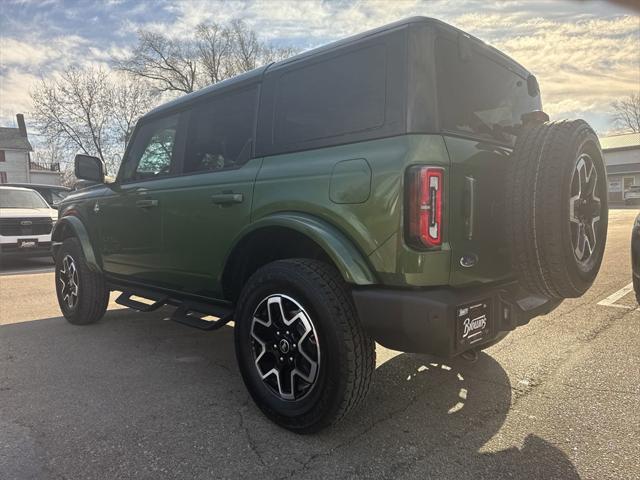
(425, 187)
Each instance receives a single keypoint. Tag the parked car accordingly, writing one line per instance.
(635, 257)
(26, 221)
(400, 186)
(632, 195)
(53, 194)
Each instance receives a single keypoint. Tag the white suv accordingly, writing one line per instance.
(26, 221)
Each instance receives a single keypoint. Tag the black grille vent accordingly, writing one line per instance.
(13, 227)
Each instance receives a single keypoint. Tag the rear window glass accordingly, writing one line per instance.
(341, 95)
(220, 132)
(478, 95)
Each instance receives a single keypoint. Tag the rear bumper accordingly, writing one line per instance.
(431, 320)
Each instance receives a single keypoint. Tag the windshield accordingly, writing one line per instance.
(58, 195)
(480, 96)
(21, 199)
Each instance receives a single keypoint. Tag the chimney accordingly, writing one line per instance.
(21, 126)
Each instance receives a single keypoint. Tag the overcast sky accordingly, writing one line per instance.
(584, 53)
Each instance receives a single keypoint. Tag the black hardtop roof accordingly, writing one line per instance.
(36, 185)
(253, 76)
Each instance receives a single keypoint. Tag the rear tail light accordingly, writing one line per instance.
(425, 188)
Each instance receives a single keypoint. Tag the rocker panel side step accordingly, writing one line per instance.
(191, 314)
(125, 299)
(188, 312)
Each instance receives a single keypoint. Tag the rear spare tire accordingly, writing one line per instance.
(556, 208)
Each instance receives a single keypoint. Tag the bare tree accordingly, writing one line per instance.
(246, 47)
(214, 53)
(627, 113)
(73, 109)
(171, 65)
(275, 54)
(130, 99)
(214, 44)
(49, 152)
(89, 111)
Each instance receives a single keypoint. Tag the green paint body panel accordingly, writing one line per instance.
(348, 199)
(302, 182)
(180, 245)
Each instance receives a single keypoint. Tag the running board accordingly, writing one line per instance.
(125, 299)
(192, 314)
(189, 312)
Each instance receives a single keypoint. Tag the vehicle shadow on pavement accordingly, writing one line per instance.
(135, 396)
(449, 409)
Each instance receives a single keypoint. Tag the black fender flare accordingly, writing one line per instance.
(71, 225)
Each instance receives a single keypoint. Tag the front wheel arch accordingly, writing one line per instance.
(71, 226)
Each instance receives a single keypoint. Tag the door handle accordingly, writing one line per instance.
(146, 203)
(226, 198)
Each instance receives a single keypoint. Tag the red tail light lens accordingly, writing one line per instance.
(425, 188)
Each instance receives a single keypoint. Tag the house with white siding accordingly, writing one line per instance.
(16, 165)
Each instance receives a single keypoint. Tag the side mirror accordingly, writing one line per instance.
(89, 168)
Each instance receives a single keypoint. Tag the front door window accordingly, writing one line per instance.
(151, 153)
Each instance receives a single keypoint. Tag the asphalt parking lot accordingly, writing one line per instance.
(136, 396)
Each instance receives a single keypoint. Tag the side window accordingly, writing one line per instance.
(220, 132)
(151, 153)
(334, 97)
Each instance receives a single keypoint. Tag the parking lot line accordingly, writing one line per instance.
(614, 297)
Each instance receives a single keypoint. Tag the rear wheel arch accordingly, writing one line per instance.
(292, 235)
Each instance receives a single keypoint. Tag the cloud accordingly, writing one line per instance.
(23, 63)
(582, 65)
(15, 86)
(35, 52)
(585, 54)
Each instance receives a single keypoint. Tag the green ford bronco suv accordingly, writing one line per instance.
(402, 186)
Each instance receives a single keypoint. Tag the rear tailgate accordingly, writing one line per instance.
(476, 214)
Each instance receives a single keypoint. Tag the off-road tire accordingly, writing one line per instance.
(347, 354)
(636, 288)
(92, 293)
(538, 196)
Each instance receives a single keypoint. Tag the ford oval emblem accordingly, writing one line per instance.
(468, 260)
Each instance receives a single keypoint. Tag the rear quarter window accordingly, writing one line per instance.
(330, 98)
(220, 132)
